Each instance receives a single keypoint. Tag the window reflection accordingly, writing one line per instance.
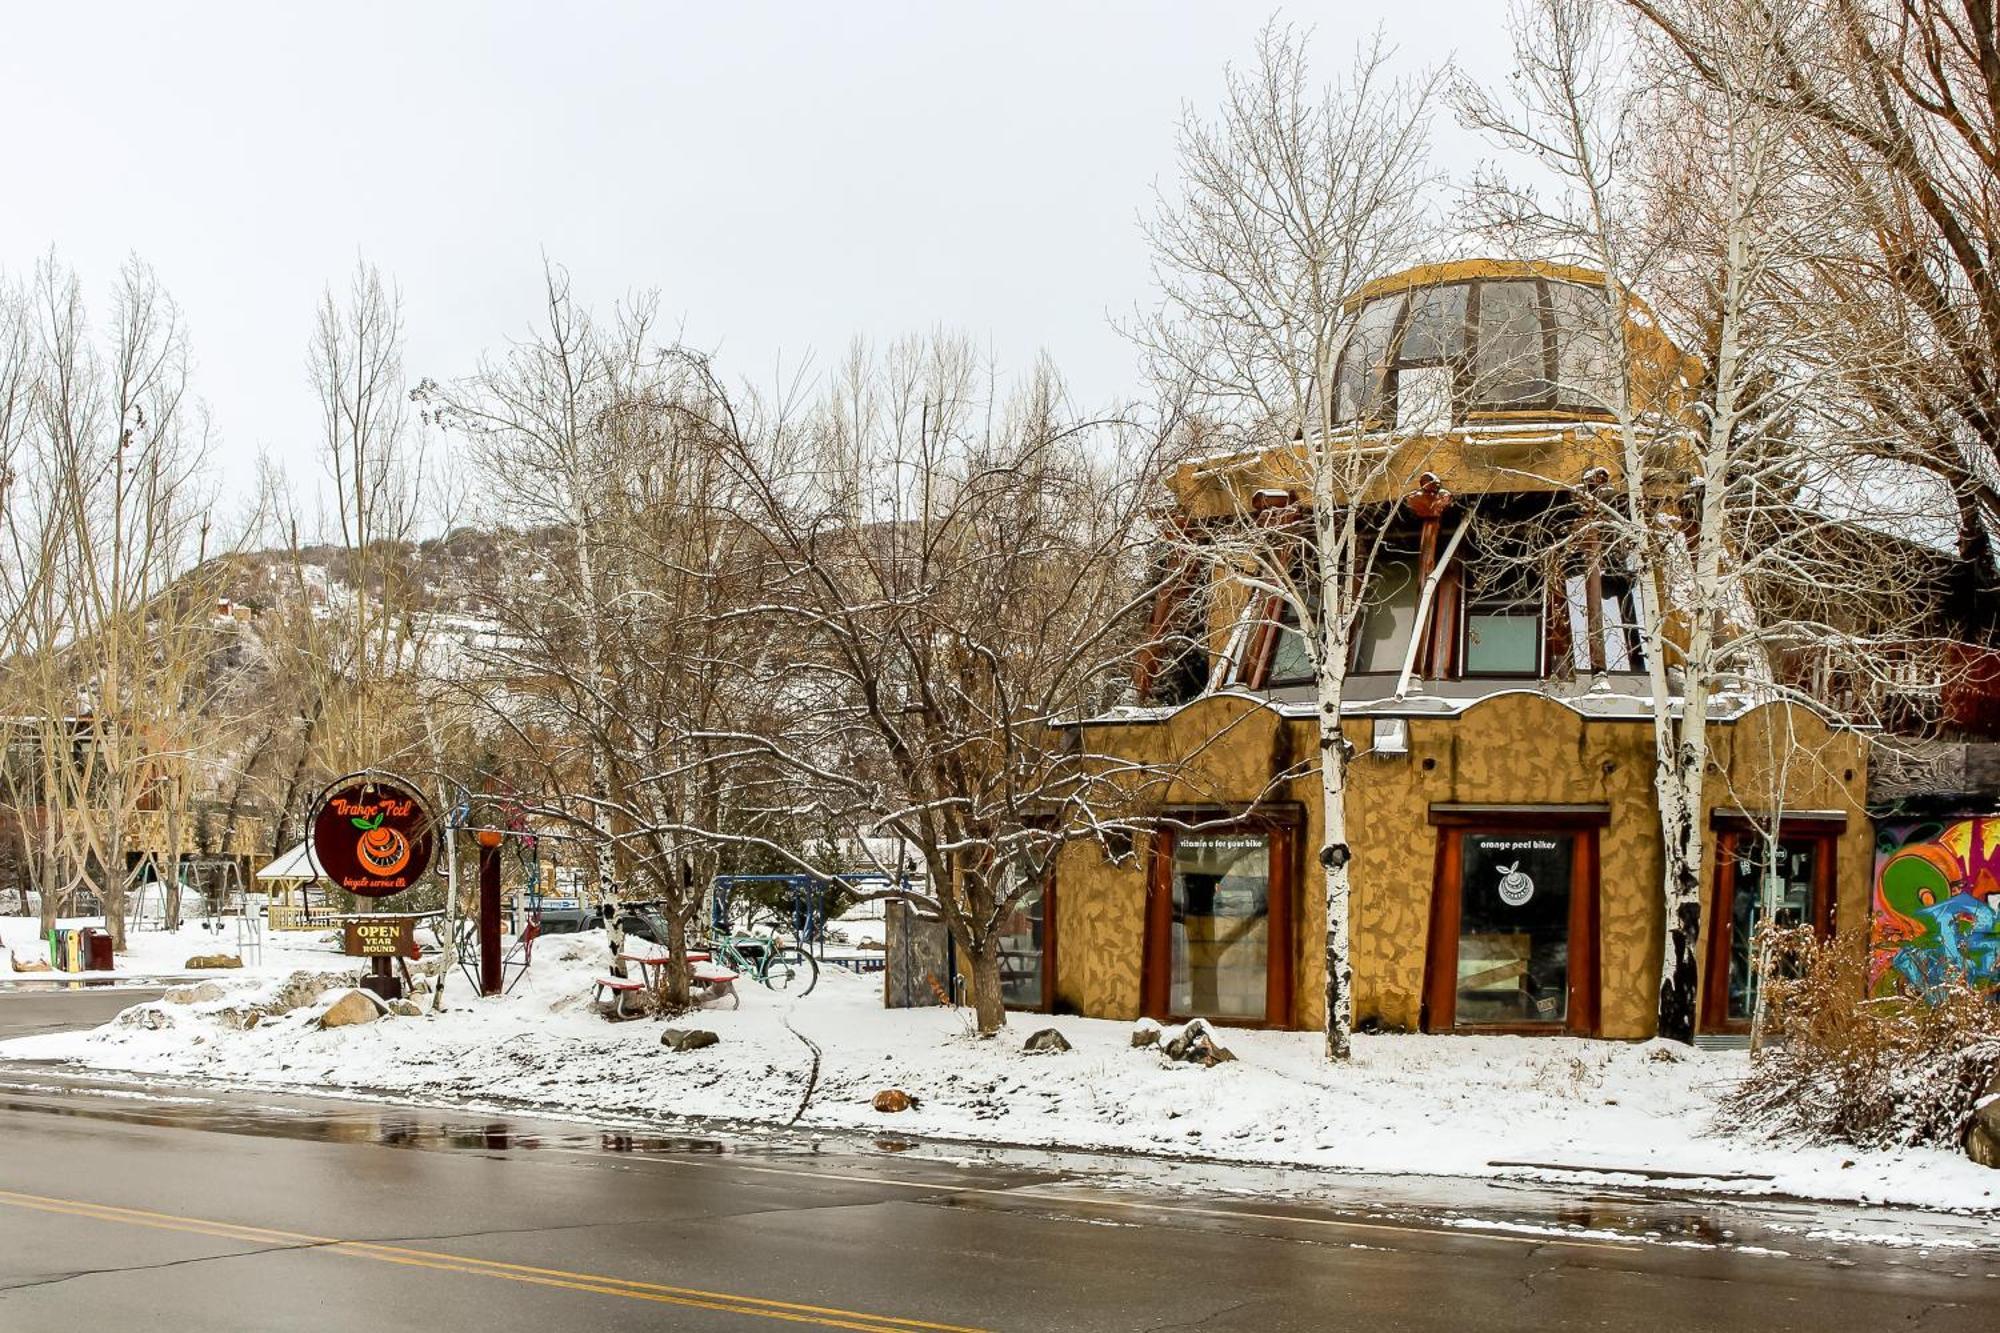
(1513, 934)
(1220, 936)
(1510, 368)
(1503, 363)
(1024, 953)
(1389, 620)
(1790, 885)
(1359, 377)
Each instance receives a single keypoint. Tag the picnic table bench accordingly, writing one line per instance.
(710, 981)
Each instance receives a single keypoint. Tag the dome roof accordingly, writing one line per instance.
(1449, 344)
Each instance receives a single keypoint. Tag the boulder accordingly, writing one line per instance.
(239, 1020)
(687, 1039)
(32, 965)
(1982, 1137)
(212, 960)
(354, 1006)
(1048, 1039)
(151, 1017)
(1195, 1044)
(1145, 1032)
(405, 1009)
(891, 1100)
(199, 993)
(302, 988)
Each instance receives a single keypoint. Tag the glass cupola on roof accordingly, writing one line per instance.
(1453, 344)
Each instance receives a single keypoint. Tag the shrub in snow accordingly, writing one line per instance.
(1883, 1072)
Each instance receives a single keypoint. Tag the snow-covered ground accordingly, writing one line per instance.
(1481, 1106)
(153, 953)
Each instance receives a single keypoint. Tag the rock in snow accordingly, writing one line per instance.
(1982, 1137)
(1145, 1032)
(355, 1006)
(687, 1039)
(1048, 1039)
(203, 960)
(1195, 1044)
(894, 1099)
(199, 993)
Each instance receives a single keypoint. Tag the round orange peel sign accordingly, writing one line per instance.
(372, 835)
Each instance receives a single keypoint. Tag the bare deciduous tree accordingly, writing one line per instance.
(1292, 198)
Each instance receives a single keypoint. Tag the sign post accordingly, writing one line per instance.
(373, 835)
(489, 912)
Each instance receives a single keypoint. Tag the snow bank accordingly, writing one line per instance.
(1478, 1106)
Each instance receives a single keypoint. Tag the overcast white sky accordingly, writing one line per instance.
(787, 176)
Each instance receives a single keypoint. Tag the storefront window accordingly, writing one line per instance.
(1514, 924)
(1790, 883)
(1024, 953)
(1220, 929)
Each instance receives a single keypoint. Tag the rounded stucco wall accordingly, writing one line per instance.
(1517, 748)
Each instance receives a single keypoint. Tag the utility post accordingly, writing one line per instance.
(489, 911)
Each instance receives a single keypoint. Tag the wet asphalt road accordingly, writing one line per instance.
(31, 1007)
(137, 1206)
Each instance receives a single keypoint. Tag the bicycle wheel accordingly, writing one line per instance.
(791, 970)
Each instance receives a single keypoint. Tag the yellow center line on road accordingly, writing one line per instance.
(725, 1302)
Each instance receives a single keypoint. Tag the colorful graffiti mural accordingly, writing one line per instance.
(1936, 905)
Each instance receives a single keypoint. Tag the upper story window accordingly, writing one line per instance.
(1618, 620)
(1388, 622)
(1503, 346)
(1291, 658)
(1502, 632)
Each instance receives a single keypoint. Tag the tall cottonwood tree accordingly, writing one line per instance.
(542, 425)
(1894, 108)
(953, 576)
(106, 512)
(1723, 504)
(619, 677)
(1291, 197)
(378, 473)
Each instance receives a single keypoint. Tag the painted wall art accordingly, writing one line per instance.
(1936, 905)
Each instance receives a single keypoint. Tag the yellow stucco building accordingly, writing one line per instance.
(1507, 855)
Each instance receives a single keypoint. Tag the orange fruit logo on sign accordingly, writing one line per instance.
(383, 851)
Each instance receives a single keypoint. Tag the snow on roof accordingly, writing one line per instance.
(1621, 705)
(298, 863)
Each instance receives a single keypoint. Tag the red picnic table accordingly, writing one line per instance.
(712, 981)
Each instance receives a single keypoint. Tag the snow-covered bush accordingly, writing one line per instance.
(1875, 1072)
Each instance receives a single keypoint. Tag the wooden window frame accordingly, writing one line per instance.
(1469, 607)
(1584, 1010)
(1155, 983)
(1824, 832)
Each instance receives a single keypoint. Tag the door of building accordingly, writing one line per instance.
(1514, 912)
(1219, 917)
(1789, 880)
